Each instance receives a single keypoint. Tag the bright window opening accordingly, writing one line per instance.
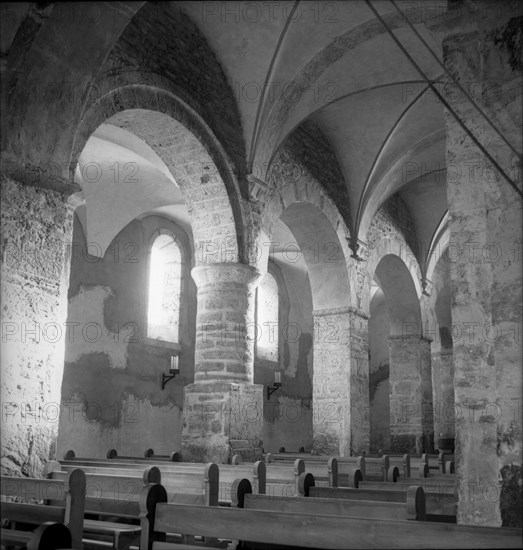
(165, 276)
(267, 306)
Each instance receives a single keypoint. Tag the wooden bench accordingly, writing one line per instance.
(149, 456)
(35, 505)
(287, 479)
(305, 530)
(436, 461)
(112, 454)
(113, 497)
(341, 471)
(228, 474)
(244, 449)
(439, 506)
(412, 509)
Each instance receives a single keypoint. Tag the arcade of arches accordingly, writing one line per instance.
(324, 194)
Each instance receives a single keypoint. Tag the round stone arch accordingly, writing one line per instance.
(193, 155)
(320, 232)
(340, 371)
(395, 280)
(386, 246)
(410, 380)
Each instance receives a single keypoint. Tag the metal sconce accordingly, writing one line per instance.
(173, 371)
(277, 384)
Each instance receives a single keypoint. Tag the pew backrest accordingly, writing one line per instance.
(412, 509)
(307, 530)
(70, 491)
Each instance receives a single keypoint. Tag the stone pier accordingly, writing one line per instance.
(485, 223)
(36, 252)
(223, 404)
(340, 382)
(443, 392)
(411, 426)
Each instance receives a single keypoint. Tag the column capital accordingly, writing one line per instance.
(259, 190)
(224, 273)
(340, 311)
(31, 175)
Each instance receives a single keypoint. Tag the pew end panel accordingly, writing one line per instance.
(259, 474)
(305, 482)
(151, 495)
(393, 474)
(416, 503)
(406, 465)
(352, 477)
(332, 469)
(240, 488)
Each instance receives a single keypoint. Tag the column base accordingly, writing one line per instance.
(222, 419)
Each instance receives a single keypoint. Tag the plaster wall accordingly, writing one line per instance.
(112, 373)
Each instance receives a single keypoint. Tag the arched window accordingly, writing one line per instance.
(165, 278)
(267, 317)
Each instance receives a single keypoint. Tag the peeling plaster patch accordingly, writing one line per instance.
(92, 333)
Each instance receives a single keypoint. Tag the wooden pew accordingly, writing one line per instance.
(113, 494)
(344, 471)
(228, 474)
(324, 470)
(412, 509)
(69, 491)
(439, 505)
(436, 461)
(287, 479)
(112, 454)
(325, 473)
(149, 456)
(305, 530)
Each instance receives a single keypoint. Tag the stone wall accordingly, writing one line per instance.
(36, 236)
(112, 374)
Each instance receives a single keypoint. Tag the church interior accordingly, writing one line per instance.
(280, 232)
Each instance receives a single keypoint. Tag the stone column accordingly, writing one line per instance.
(340, 382)
(223, 404)
(411, 428)
(443, 393)
(485, 254)
(36, 252)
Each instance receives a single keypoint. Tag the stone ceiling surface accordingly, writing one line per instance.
(286, 63)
